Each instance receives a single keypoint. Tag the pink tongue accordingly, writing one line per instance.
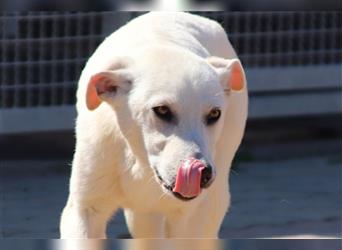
(188, 180)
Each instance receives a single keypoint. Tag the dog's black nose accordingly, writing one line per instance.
(207, 176)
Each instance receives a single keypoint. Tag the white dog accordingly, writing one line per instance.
(162, 106)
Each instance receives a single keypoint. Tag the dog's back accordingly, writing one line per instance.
(201, 35)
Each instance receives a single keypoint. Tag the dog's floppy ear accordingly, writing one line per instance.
(231, 73)
(105, 84)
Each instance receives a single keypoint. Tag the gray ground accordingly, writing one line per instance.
(298, 197)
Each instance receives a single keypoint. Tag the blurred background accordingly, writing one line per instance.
(286, 179)
(227, 5)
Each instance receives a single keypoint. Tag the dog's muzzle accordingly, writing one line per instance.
(192, 176)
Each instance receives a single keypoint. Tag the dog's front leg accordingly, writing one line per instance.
(176, 225)
(145, 225)
(203, 221)
(84, 222)
(207, 218)
(186, 226)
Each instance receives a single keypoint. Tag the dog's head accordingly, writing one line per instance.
(170, 106)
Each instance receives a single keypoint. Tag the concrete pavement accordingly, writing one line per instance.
(297, 198)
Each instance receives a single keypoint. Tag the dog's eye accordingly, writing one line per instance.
(213, 116)
(163, 112)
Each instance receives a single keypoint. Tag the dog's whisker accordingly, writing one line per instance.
(235, 172)
(151, 179)
(163, 195)
(219, 94)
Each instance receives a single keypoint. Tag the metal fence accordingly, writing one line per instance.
(293, 62)
(42, 56)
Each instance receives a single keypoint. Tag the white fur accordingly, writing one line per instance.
(118, 142)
